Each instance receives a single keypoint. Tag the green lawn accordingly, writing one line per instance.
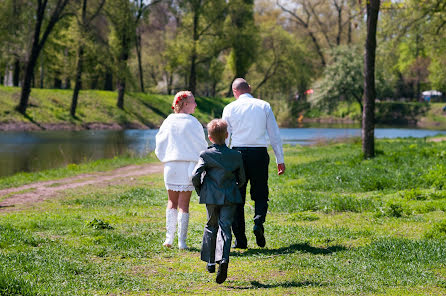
(337, 225)
(50, 106)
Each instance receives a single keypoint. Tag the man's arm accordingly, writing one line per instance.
(276, 142)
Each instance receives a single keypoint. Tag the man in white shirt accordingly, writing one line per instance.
(249, 120)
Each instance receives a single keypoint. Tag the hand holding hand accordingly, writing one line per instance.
(280, 168)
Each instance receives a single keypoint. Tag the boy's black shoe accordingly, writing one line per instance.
(210, 268)
(222, 273)
(260, 237)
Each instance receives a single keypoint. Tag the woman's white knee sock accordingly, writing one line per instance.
(171, 226)
(183, 224)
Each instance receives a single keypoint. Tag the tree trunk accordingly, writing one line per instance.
(121, 92)
(138, 54)
(108, 83)
(16, 75)
(78, 81)
(26, 85)
(193, 70)
(37, 45)
(368, 115)
(57, 83)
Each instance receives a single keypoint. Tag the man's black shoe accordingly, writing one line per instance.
(260, 237)
(237, 246)
(222, 273)
(210, 268)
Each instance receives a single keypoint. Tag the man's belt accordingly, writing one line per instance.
(250, 148)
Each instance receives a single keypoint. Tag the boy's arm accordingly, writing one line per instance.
(196, 174)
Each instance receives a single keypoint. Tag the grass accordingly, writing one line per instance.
(337, 225)
(50, 106)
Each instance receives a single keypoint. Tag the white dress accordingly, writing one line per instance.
(179, 142)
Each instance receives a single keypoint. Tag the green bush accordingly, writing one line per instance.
(438, 230)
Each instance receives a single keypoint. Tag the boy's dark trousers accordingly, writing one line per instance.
(217, 233)
(256, 162)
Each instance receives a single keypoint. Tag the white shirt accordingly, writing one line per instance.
(249, 119)
(180, 138)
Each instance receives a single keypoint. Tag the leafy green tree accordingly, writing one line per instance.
(243, 35)
(84, 21)
(342, 79)
(122, 40)
(41, 32)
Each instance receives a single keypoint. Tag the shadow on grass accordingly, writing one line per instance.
(303, 247)
(154, 109)
(27, 116)
(292, 284)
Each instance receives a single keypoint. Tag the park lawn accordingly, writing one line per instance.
(337, 224)
(52, 106)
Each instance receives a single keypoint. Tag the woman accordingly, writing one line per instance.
(178, 145)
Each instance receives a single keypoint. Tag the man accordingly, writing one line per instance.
(249, 120)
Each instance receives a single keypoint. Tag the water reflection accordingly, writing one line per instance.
(34, 151)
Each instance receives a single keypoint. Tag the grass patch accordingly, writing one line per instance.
(337, 225)
(50, 106)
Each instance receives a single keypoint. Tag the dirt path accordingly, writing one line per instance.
(40, 191)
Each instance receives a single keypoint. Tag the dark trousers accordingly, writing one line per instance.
(217, 233)
(255, 162)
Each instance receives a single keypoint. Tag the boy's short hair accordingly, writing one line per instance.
(217, 129)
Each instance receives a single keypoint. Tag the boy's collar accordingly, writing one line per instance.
(218, 145)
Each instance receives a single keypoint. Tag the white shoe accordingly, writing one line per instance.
(183, 224)
(171, 226)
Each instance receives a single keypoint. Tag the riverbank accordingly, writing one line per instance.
(49, 110)
(336, 224)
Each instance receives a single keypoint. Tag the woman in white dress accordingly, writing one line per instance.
(179, 142)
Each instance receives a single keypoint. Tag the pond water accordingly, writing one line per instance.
(35, 151)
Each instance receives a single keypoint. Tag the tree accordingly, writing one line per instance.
(243, 36)
(14, 32)
(368, 114)
(342, 79)
(326, 23)
(140, 11)
(83, 23)
(56, 13)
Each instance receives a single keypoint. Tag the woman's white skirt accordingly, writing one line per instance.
(178, 175)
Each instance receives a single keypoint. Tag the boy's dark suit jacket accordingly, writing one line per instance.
(224, 173)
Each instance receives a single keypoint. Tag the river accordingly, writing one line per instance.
(35, 151)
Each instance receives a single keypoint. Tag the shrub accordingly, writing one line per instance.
(438, 230)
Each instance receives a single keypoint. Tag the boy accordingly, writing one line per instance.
(219, 190)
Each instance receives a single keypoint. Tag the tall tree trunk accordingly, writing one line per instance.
(78, 81)
(193, 72)
(57, 83)
(138, 54)
(338, 37)
(193, 58)
(349, 24)
(368, 115)
(108, 83)
(121, 92)
(16, 75)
